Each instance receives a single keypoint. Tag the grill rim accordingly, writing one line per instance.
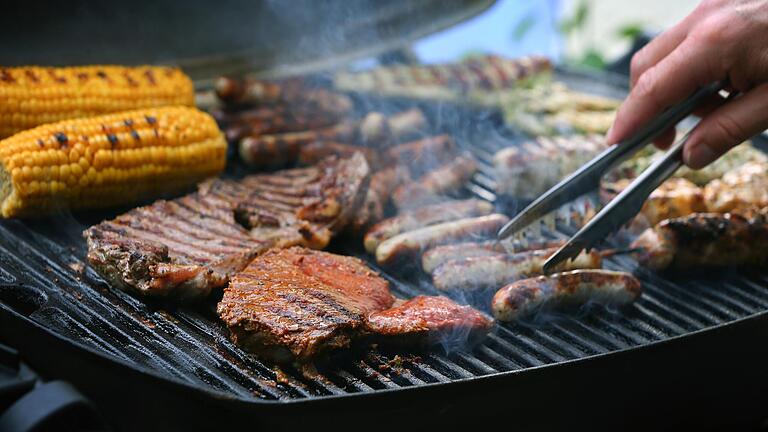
(6, 315)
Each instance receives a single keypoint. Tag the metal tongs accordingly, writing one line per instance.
(626, 204)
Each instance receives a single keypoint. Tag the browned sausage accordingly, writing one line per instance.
(409, 245)
(425, 216)
(430, 188)
(436, 256)
(571, 288)
(468, 274)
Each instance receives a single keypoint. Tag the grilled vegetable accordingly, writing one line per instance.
(31, 96)
(107, 160)
(575, 287)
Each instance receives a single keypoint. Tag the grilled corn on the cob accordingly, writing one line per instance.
(108, 160)
(31, 96)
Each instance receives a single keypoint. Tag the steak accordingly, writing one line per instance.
(295, 304)
(186, 247)
(426, 320)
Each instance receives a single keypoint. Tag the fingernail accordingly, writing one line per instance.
(698, 156)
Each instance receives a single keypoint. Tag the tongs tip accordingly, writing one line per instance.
(568, 251)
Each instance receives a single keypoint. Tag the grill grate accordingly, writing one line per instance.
(43, 276)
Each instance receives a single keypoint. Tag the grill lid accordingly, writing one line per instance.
(206, 38)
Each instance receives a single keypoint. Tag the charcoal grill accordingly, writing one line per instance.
(688, 342)
(690, 350)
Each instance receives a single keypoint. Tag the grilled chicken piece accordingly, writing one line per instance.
(295, 304)
(422, 217)
(675, 197)
(438, 255)
(188, 246)
(476, 273)
(426, 320)
(578, 287)
(743, 188)
(435, 185)
(706, 240)
(529, 170)
(409, 245)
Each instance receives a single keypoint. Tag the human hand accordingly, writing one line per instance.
(720, 39)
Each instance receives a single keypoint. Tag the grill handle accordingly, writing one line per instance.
(53, 403)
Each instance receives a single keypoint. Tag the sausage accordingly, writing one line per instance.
(280, 149)
(377, 129)
(423, 155)
(471, 274)
(382, 184)
(706, 240)
(419, 218)
(406, 123)
(438, 255)
(233, 91)
(317, 101)
(528, 170)
(409, 245)
(436, 184)
(314, 152)
(578, 287)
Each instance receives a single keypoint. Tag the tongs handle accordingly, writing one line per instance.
(587, 178)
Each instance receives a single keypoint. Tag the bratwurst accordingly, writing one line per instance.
(577, 287)
(422, 217)
(438, 255)
(470, 274)
(409, 245)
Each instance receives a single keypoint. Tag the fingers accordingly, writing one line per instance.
(727, 126)
(668, 82)
(657, 49)
(666, 139)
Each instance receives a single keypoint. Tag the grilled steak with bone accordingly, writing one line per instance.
(295, 304)
(190, 245)
(571, 288)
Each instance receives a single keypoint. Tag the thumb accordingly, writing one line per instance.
(727, 126)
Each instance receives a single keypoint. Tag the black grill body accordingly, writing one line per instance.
(691, 351)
